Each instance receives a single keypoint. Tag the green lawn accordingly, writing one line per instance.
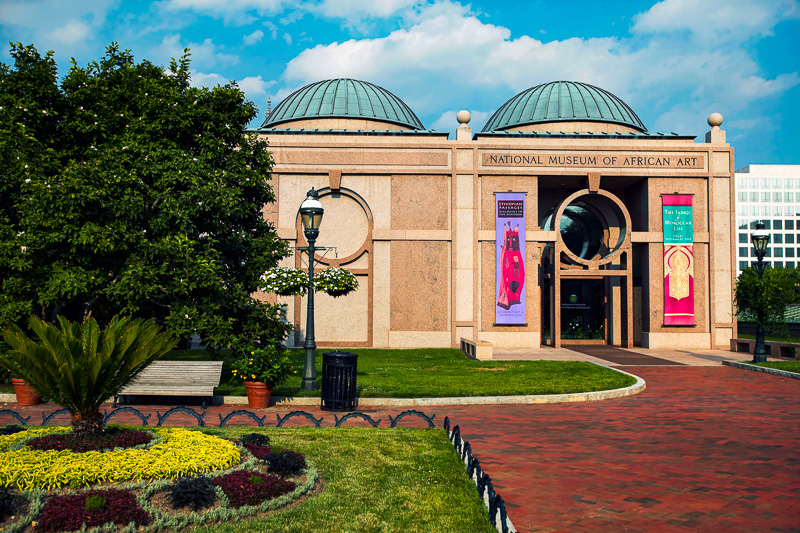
(793, 340)
(388, 480)
(441, 372)
(789, 366)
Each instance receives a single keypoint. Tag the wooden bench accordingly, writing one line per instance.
(176, 378)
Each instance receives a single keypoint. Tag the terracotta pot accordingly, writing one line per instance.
(25, 394)
(257, 394)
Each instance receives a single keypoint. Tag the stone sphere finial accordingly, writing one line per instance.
(463, 116)
(714, 120)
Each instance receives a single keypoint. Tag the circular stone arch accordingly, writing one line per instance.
(612, 216)
(355, 239)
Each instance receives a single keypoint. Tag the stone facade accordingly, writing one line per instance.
(413, 217)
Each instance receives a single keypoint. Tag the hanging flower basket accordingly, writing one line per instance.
(285, 281)
(335, 281)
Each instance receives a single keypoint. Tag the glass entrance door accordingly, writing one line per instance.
(583, 310)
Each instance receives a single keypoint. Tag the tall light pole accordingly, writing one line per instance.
(760, 238)
(311, 216)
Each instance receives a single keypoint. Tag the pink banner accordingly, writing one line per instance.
(678, 260)
(510, 281)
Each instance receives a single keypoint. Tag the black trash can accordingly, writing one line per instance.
(339, 381)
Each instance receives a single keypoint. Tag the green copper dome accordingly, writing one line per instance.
(343, 98)
(563, 101)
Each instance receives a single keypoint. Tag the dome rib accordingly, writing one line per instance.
(563, 101)
(343, 98)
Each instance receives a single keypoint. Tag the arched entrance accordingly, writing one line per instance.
(590, 293)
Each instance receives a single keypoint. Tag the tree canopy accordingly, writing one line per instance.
(125, 190)
(764, 301)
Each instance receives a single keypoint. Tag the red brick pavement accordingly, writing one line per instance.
(703, 448)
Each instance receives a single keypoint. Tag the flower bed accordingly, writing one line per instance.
(182, 452)
(92, 508)
(113, 438)
(223, 494)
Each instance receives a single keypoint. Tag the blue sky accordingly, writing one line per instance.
(674, 62)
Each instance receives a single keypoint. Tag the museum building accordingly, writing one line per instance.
(562, 221)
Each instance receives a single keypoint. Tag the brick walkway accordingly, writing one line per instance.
(703, 449)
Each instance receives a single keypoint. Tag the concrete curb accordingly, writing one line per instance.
(762, 369)
(530, 399)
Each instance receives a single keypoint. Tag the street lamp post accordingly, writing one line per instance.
(760, 238)
(311, 216)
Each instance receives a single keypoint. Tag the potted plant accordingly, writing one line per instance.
(285, 281)
(262, 369)
(335, 281)
(25, 394)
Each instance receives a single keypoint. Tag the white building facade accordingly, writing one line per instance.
(771, 194)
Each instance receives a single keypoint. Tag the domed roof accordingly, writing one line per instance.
(343, 98)
(563, 101)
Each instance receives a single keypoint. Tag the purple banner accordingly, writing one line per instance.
(510, 286)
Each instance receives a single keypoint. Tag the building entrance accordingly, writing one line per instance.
(583, 311)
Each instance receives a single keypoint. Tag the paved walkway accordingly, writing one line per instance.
(703, 449)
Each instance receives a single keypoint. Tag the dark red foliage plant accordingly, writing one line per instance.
(112, 438)
(69, 512)
(285, 463)
(260, 452)
(251, 488)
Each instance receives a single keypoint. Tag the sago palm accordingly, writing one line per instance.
(80, 366)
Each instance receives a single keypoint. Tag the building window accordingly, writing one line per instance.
(789, 238)
(778, 252)
(777, 210)
(790, 224)
(742, 265)
(743, 238)
(779, 264)
(765, 197)
(790, 252)
(742, 196)
(753, 196)
(767, 224)
(776, 197)
(787, 183)
(764, 183)
(765, 210)
(777, 238)
(743, 251)
(776, 183)
(777, 224)
(788, 197)
(789, 264)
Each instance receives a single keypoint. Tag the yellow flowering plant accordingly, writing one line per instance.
(269, 364)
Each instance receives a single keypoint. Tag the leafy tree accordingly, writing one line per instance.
(126, 191)
(764, 301)
(81, 366)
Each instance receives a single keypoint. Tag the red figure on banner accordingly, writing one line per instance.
(513, 268)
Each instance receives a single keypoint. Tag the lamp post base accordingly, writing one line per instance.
(309, 384)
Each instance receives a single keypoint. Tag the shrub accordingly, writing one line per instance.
(8, 503)
(93, 508)
(286, 463)
(112, 438)
(10, 430)
(260, 452)
(254, 438)
(195, 492)
(79, 366)
(269, 364)
(244, 487)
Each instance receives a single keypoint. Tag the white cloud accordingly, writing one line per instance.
(234, 12)
(445, 46)
(287, 38)
(255, 87)
(712, 20)
(273, 29)
(72, 32)
(361, 8)
(253, 38)
(54, 23)
(200, 79)
(205, 54)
